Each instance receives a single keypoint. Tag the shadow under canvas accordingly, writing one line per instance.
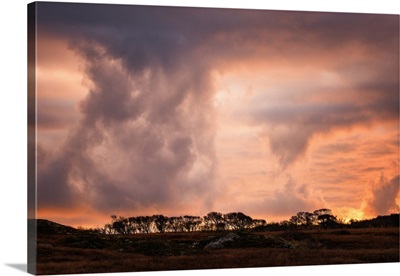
(21, 267)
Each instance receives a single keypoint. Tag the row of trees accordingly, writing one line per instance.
(323, 218)
(213, 221)
(320, 217)
(392, 220)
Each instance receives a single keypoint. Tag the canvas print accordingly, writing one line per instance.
(181, 138)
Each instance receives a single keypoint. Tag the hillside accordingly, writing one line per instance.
(63, 249)
(48, 227)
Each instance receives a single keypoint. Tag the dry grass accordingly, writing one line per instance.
(122, 253)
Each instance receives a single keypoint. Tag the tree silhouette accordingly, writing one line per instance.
(304, 219)
(238, 220)
(144, 224)
(108, 229)
(325, 218)
(258, 223)
(132, 225)
(191, 223)
(215, 221)
(160, 222)
(119, 224)
(175, 224)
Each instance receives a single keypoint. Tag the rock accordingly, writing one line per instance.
(223, 241)
(248, 240)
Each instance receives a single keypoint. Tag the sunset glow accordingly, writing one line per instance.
(182, 111)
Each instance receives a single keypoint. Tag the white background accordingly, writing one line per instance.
(13, 149)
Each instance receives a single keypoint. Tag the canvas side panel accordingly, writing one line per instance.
(32, 231)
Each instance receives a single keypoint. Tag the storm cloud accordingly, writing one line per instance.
(145, 136)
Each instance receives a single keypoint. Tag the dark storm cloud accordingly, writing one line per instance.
(161, 33)
(146, 132)
(125, 152)
(145, 137)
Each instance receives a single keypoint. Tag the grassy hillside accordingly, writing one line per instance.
(63, 249)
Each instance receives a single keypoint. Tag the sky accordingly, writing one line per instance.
(155, 110)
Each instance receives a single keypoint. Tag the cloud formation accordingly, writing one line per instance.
(384, 197)
(146, 130)
(144, 135)
(293, 198)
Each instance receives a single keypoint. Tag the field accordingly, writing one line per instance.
(74, 251)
